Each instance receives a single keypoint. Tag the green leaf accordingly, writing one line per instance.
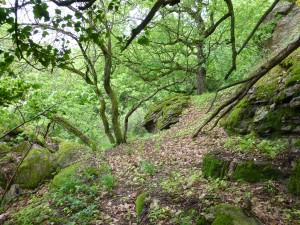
(144, 41)
(58, 11)
(40, 11)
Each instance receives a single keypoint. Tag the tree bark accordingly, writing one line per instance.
(200, 79)
(103, 116)
(72, 129)
(111, 94)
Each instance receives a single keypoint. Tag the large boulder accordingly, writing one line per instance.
(231, 215)
(165, 113)
(272, 105)
(69, 153)
(37, 166)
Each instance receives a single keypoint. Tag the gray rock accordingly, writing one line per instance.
(260, 114)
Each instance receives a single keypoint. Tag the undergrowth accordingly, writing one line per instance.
(73, 202)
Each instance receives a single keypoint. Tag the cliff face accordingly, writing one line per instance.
(273, 104)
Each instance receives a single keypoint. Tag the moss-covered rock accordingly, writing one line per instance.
(230, 215)
(36, 167)
(70, 152)
(294, 181)
(223, 219)
(67, 177)
(251, 171)
(273, 105)
(214, 166)
(165, 113)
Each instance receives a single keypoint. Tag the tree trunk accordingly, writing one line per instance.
(72, 129)
(201, 80)
(103, 116)
(111, 94)
(201, 74)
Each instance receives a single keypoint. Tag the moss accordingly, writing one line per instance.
(139, 203)
(21, 148)
(272, 123)
(3, 147)
(70, 152)
(297, 143)
(223, 219)
(166, 112)
(35, 168)
(266, 90)
(214, 167)
(295, 79)
(294, 181)
(67, 177)
(250, 171)
(234, 215)
(234, 121)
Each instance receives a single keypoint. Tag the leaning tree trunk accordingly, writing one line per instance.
(74, 130)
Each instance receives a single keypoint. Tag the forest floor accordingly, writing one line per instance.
(167, 168)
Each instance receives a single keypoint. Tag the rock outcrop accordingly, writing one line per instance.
(272, 105)
(165, 113)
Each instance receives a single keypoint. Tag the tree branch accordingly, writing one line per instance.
(263, 70)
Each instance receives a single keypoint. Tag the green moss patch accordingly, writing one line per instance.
(70, 152)
(36, 167)
(239, 119)
(231, 215)
(67, 177)
(214, 167)
(223, 219)
(251, 171)
(294, 181)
